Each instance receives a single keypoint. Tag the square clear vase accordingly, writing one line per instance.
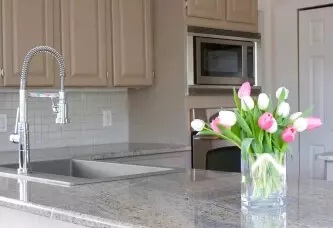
(263, 180)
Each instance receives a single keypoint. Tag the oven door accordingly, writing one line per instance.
(223, 62)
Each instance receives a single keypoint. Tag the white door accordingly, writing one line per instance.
(316, 86)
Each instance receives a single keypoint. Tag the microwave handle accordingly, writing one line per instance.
(244, 62)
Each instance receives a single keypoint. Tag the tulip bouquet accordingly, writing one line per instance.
(263, 132)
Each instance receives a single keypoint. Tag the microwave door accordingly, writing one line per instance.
(220, 62)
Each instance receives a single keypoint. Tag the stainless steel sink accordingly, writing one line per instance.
(74, 172)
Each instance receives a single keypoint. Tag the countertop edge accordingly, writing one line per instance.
(60, 214)
(135, 153)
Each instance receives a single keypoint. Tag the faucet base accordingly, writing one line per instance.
(23, 171)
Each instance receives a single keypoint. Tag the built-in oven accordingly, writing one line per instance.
(219, 57)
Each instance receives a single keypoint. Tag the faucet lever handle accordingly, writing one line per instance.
(17, 120)
(55, 108)
(15, 137)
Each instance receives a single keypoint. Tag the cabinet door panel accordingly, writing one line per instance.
(132, 42)
(209, 9)
(242, 11)
(84, 42)
(27, 24)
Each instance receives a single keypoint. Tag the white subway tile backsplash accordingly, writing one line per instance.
(86, 120)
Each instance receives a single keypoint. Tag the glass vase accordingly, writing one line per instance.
(263, 180)
(269, 218)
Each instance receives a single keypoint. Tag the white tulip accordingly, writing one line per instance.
(263, 101)
(279, 91)
(247, 103)
(197, 125)
(273, 128)
(283, 109)
(295, 116)
(227, 118)
(300, 124)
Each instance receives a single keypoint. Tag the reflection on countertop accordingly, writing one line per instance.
(195, 198)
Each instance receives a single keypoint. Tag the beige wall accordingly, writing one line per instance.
(162, 113)
(157, 114)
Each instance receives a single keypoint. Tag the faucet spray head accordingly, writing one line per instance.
(62, 114)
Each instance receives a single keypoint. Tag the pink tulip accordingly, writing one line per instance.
(313, 123)
(266, 121)
(214, 124)
(289, 134)
(244, 90)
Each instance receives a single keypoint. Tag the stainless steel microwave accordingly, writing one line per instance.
(219, 61)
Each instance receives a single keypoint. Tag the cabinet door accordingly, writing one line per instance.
(27, 24)
(242, 11)
(209, 9)
(83, 35)
(132, 42)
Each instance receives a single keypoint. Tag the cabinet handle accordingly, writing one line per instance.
(2, 72)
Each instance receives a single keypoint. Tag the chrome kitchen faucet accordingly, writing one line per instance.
(21, 132)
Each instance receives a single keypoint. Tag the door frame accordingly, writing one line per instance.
(285, 49)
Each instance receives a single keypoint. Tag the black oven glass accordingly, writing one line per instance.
(221, 60)
(227, 159)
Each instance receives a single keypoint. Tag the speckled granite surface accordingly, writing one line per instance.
(193, 199)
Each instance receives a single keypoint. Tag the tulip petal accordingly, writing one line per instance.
(244, 90)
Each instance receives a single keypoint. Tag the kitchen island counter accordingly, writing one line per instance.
(194, 198)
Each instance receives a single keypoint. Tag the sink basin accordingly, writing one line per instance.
(74, 172)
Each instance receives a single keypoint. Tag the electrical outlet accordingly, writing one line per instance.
(3, 123)
(107, 118)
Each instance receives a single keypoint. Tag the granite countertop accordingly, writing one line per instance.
(188, 199)
(191, 199)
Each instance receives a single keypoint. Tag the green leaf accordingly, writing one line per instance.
(257, 147)
(207, 133)
(308, 112)
(267, 143)
(284, 147)
(270, 108)
(246, 143)
(236, 99)
(282, 95)
(236, 130)
(256, 113)
(261, 136)
(243, 124)
(230, 135)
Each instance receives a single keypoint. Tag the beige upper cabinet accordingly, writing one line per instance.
(242, 11)
(211, 9)
(27, 24)
(132, 42)
(84, 44)
(238, 15)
